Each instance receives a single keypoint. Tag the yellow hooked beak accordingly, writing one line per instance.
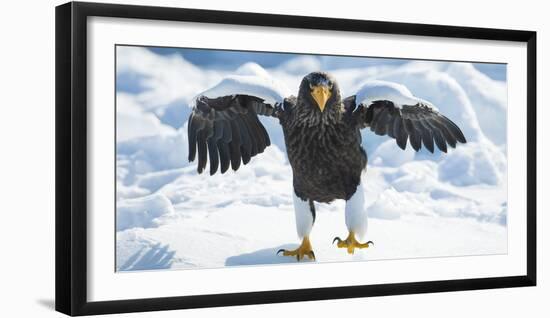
(320, 94)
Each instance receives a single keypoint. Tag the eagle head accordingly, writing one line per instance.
(319, 89)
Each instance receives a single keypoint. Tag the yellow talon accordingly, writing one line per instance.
(351, 243)
(303, 250)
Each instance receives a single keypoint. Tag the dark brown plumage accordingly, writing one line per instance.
(324, 148)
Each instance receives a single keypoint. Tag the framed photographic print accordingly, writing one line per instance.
(209, 158)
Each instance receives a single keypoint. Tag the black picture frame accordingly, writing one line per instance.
(71, 157)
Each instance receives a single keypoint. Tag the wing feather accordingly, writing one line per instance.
(252, 131)
(382, 120)
(246, 142)
(415, 138)
(453, 128)
(213, 154)
(439, 140)
(202, 149)
(449, 137)
(227, 132)
(400, 133)
(391, 109)
(235, 146)
(427, 136)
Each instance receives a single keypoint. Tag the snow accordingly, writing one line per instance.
(162, 80)
(270, 90)
(487, 96)
(419, 204)
(441, 90)
(478, 162)
(133, 122)
(301, 65)
(142, 212)
(386, 155)
(252, 69)
(400, 95)
(221, 238)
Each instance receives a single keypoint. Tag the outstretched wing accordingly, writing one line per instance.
(224, 124)
(391, 109)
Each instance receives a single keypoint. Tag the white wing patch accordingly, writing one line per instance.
(398, 94)
(268, 89)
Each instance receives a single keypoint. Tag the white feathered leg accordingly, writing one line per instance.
(356, 213)
(356, 221)
(304, 223)
(304, 216)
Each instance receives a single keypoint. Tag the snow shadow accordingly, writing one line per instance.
(263, 256)
(154, 257)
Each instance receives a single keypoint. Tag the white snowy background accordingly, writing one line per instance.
(420, 204)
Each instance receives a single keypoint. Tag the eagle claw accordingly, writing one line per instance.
(301, 252)
(351, 243)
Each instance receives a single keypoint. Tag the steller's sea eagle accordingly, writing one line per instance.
(322, 137)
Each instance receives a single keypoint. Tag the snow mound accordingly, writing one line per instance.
(473, 163)
(440, 201)
(444, 92)
(252, 69)
(375, 90)
(417, 177)
(389, 154)
(162, 79)
(301, 65)
(265, 181)
(153, 153)
(269, 89)
(156, 180)
(391, 204)
(142, 212)
(489, 98)
(127, 192)
(174, 114)
(133, 122)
